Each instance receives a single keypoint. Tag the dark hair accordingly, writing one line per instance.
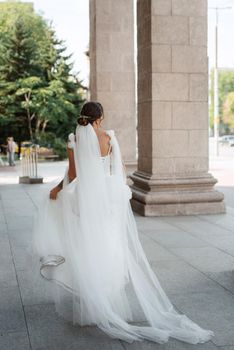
(90, 112)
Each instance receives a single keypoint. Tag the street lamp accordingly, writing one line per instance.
(216, 80)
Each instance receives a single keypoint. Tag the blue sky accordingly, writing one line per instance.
(70, 19)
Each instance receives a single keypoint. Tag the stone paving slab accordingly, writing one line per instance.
(175, 238)
(171, 345)
(11, 310)
(14, 341)
(181, 277)
(206, 259)
(193, 257)
(48, 331)
(212, 310)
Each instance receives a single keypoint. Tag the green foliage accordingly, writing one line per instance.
(38, 92)
(228, 111)
(226, 85)
(60, 148)
(50, 140)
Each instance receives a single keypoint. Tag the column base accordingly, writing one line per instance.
(153, 196)
(30, 180)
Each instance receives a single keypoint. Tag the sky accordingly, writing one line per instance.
(71, 21)
(225, 33)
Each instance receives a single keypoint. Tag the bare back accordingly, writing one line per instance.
(104, 141)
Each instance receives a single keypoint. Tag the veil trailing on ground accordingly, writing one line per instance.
(88, 244)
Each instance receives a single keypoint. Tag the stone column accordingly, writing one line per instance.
(112, 69)
(172, 176)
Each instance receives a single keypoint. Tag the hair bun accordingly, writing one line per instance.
(82, 121)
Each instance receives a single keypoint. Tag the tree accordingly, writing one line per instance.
(226, 85)
(228, 111)
(38, 91)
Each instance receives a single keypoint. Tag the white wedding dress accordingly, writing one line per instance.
(88, 245)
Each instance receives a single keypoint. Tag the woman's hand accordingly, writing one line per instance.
(54, 192)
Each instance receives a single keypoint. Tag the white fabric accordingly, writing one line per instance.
(88, 244)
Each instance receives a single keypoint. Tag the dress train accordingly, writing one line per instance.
(87, 242)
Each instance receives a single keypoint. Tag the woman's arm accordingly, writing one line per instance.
(71, 174)
(72, 167)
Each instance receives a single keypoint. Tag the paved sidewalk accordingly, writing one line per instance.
(192, 256)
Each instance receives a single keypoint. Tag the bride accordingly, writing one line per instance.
(87, 241)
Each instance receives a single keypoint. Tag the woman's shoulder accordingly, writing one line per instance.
(110, 132)
(71, 136)
(71, 140)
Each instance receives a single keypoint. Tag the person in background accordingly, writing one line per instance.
(11, 151)
(1, 160)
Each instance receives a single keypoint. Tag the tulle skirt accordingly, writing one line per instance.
(105, 279)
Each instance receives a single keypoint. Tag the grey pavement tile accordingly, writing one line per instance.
(14, 341)
(22, 257)
(14, 195)
(154, 251)
(175, 238)
(225, 336)
(3, 229)
(49, 331)
(172, 344)
(211, 310)
(9, 298)
(179, 277)
(4, 237)
(20, 237)
(60, 342)
(5, 254)
(22, 222)
(198, 226)
(11, 312)
(225, 243)
(19, 211)
(222, 220)
(167, 242)
(147, 223)
(12, 205)
(212, 235)
(2, 221)
(224, 278)
(34, 289)
(180, 219)
(37, 202)
(5, 248)
(7, 276)
(17, 216)
(205, 259)
(12, 320)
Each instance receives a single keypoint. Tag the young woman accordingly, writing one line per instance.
(88, 245)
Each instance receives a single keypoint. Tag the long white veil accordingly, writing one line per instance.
(95, 256)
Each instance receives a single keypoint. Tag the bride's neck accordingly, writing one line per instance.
(96, 126)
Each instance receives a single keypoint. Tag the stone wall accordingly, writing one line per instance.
(172, 170)
(112, 70)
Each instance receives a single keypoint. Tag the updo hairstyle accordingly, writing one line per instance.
(90, 112)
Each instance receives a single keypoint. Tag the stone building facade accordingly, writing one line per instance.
(172, 99)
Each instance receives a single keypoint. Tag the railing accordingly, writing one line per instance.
(29, 163)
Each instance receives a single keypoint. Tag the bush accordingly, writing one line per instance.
(60, 148)
(58, 145)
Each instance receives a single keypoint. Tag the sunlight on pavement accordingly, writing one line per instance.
(50, 171)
